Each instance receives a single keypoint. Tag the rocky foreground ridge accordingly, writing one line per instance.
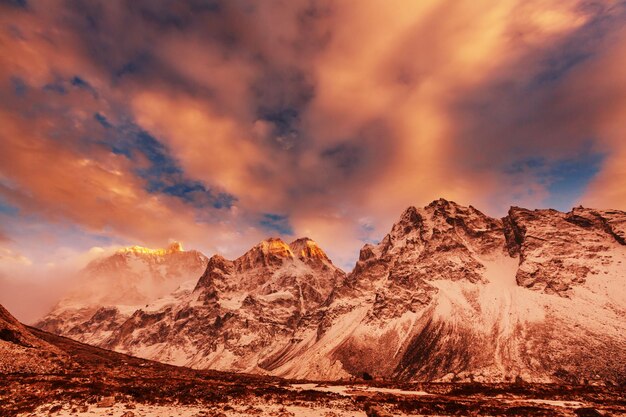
(450, 294)
(22, 352)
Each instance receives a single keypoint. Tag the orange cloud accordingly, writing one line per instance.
(210, 146)
(600, 91)
(337, 116)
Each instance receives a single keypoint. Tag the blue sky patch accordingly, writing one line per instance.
(56, 87)
(568, 179)
(19, 86)
(78, 82)
(162, 173)
(565, 179)
(276, 223)
(6, 208)
(102, 120)
(16, 3)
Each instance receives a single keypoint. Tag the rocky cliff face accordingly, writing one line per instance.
(559, 250)
(448, 294)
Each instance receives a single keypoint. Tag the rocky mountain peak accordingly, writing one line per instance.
(444, 210)
(450, 214)
(612, 222)
(441, 226)
(267, 260)
(305, 249)
(410, 220)
(442, 216)
(277, 247)
(269, 252)
(442, 241)
(442, 204)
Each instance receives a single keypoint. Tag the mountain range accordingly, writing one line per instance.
(449, 294)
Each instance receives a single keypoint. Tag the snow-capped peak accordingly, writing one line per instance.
(122, 282)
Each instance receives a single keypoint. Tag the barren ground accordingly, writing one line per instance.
(104, 383)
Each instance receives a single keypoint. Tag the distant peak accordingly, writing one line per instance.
(173, 247)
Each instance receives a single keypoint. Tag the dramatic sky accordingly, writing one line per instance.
(218, 123)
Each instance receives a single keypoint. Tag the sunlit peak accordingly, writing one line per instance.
(276, 246)
(172, 248)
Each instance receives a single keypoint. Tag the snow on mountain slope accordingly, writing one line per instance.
(113, 287)
(449, 294)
